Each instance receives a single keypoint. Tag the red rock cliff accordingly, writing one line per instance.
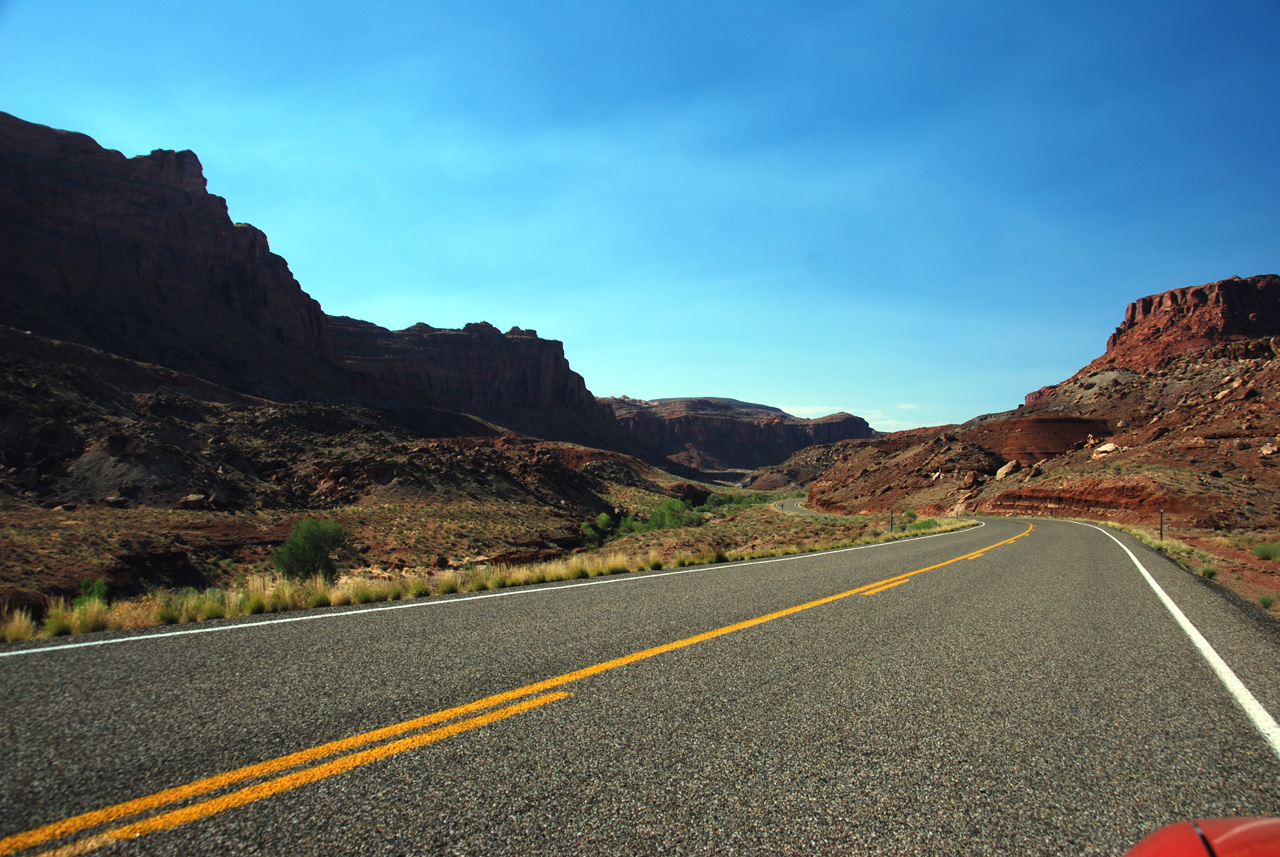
(516, 379)
(136, 257)
(722, 434)
(1193, 318)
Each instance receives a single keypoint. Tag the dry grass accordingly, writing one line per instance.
(18, 625)
(749, 534)
(1181, 552)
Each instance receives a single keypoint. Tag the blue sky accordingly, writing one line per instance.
(914, 211)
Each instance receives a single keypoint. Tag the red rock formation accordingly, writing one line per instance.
(515, 379)
(1182, 411)
(1031, 439)
(135, 256)
(1186, 320)
(1190, 319)
(724, 434)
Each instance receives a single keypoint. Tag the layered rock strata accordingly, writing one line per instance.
(1180, 415)
(515, 379)
(712, 434)
(136, 257)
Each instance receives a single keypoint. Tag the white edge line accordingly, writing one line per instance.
(1262, 720)
(444, 602)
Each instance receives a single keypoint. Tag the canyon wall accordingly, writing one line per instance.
(712, 434)
(136, 257)
(516, 379)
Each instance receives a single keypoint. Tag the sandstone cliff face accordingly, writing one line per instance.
(135, 256)
(1186, 320)
(723, 434)
(1182, 414)
(516, 379)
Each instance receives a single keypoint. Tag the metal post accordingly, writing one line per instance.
(1162, 525)
(890, 522)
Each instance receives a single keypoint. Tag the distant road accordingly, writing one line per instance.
(795, 506)
(1015, 688)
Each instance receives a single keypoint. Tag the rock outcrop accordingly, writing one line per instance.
(133, 256)
(136, 257)
(1191, 319)
(716, 435)
(516, 379)
(1178, 416)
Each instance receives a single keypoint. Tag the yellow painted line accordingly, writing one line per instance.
(883, 588)
(287, 782)
(306, 776)
(66, 827)
(75, 824)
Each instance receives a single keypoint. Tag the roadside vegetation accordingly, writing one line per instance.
(317, 566)
(1191, 558)
(1206, 565)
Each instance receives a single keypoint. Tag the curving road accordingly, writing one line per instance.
(1012, 689)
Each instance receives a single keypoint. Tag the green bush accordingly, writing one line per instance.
(95, 590)
(1267, 550)
(1266, 601)
(311, 549)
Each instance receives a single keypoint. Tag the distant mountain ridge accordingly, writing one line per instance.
(721, 435)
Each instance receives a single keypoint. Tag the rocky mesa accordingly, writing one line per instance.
(514, 379)
(171, 399)
(1181, 414)
(134, 256)
(720, 436)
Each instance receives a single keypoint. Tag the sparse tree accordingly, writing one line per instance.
(312, 548)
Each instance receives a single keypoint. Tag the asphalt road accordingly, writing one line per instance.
(796, 507)
(1033, 698)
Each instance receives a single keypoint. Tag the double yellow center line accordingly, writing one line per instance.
(298, 769)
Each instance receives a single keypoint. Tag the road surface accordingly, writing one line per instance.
(1018, 688)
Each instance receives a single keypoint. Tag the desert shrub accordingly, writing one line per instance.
(311, 548)
(18, 625)
(57, 620)
(92, 615)
(211, 604)
(361, 592)
(1266, 550)
(167, 612)
(1266, 601)
(926, 524)
(95, 590)
(670, 514)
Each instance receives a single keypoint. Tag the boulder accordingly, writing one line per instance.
(1008, 470)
